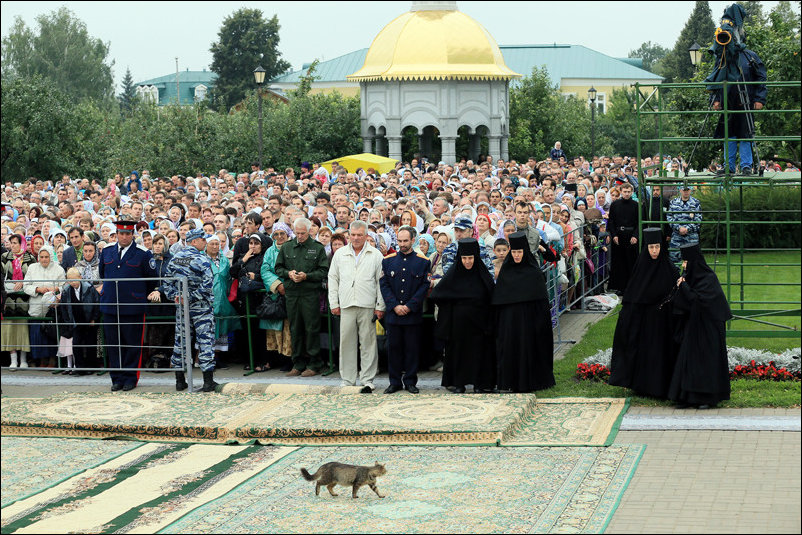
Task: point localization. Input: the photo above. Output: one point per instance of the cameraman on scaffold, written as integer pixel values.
(735, 63)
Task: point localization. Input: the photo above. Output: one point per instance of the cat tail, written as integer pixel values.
(308, 476)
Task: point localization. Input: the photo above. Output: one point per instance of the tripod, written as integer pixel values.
(702, 129)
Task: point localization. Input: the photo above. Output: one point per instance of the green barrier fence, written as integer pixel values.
(751, 300)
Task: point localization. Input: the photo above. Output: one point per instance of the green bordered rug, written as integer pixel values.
(183, 488)
(292, 418)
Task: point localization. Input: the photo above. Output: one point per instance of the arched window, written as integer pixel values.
(148, 93)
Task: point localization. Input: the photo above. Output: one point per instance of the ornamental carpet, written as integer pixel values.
(200, 488)
(318, 419)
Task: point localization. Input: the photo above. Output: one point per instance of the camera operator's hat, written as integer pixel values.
(125, 226)
(194, 234)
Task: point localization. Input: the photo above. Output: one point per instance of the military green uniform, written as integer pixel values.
(303, 298)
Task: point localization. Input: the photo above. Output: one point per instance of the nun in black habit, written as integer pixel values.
(524, 340)
(465, 321)
(644, 352)
(701, 376)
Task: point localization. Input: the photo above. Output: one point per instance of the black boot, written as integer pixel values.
(180, 382)
(208, 382)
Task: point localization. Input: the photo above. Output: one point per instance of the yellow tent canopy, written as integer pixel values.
(365, 160)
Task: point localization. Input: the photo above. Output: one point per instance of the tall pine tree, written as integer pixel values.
(676, 66)
(128, 95)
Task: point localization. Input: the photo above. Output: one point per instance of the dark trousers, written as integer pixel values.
(303, 311)
(124, 350)
(403, 353)
(84, 346)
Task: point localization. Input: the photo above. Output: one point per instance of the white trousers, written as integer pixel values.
(356, 323)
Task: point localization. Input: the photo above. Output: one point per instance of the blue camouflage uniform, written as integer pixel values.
(404, 281)
(196, 267)
(683, 214)
(450, 256)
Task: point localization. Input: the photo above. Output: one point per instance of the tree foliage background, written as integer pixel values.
(62, 52)
(51, 127)
(245, 40)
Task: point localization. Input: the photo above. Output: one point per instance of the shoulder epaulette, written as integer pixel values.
(421, 255)
(390, 255)
(141, 247)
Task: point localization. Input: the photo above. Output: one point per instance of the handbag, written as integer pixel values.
(247, 284)
(272, 310)
(589, 265)
(232, 292)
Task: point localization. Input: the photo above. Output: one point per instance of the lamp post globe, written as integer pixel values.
(695, 52)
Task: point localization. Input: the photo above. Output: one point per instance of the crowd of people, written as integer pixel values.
(377, 250)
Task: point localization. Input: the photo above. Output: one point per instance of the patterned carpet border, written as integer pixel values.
(431, 490)
(138, 491)
(74, 457)
(312, 419)
(570, 421)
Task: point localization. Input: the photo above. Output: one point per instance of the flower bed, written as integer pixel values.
(743, 363)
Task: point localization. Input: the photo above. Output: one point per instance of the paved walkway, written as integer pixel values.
(712, 482)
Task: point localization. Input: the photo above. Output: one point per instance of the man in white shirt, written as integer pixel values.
(355, 296)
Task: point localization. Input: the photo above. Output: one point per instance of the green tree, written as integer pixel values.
(540, 115)
(651, 53)
(676, 66)
(128, 96)
(46, 134)
(245, 40)
(619, 124)
(63, 52)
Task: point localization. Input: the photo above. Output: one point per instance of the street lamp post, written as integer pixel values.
(696, 54)
(592, 97)
(259, 77)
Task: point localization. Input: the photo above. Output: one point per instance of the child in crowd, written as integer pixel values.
(78, 312)
(500, 249)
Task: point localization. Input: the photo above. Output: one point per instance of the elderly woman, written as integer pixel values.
(485, 229)
(436, 260)
(278, 339)
(225, 320)
(248, 272)
(42, 282)
(37, 242)
(15, 332)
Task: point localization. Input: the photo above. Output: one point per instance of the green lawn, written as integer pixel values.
(745, 393)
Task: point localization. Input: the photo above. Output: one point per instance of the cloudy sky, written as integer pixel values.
(148, 36)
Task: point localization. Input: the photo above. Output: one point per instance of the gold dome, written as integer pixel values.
(433, 44)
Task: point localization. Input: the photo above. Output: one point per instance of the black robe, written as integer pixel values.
(524, 339)
(644, 352)
(701, 375)
(465, 322)
(621, 223)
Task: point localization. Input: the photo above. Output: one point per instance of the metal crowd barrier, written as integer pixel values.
(58, 319)
(563, 298)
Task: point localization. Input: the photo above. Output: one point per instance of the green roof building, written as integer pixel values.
(192, 86)
(573, 68)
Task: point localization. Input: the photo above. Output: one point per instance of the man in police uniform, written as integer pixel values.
(404, 283)
(193, 264)
(463, 228)
(123, 303)
(684, 215)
